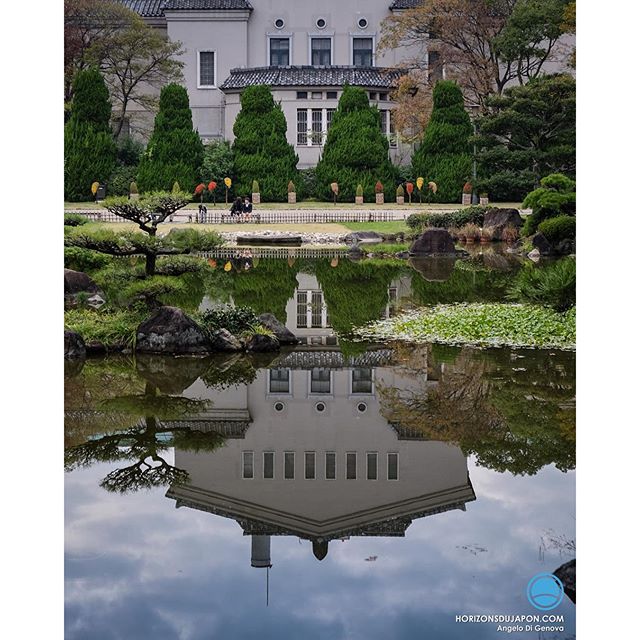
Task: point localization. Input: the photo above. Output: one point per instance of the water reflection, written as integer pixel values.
(365, 462)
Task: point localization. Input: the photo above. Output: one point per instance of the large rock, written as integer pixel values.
(567, 575)
(224, 341)
(170, 330)
(77, 282)
(281, 332)
(496, 220)
(74, 348)
(542, 244)
(364, 237)
(434, 268)
(433, 242)
(260, 343)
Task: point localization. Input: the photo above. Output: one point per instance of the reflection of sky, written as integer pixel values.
(136, 567)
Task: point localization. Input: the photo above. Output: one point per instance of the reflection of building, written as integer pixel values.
(308, 317)
(318, 461)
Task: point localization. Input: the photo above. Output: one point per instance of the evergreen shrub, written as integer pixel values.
(356, 151)
(444, 156)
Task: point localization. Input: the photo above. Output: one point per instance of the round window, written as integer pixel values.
(362, 407)
(320, 407)
(362, 23)
(321, 23)
(279, 23)
(279, 406)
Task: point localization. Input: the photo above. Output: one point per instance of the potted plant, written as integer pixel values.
(212, 190)
(359, 194)
(484, 199)
(409, 190)
(335, 189)
(291, 192)
(420, 184)
(400, 194)
(227, 186)
(379, 188)
(133, 191)
(467, 190)
(255, 192)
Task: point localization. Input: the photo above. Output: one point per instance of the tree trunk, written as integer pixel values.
(150, 266)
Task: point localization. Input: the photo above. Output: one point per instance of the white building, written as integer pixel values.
(305, 51)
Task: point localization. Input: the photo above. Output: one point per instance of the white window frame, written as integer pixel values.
(363, 34)
(366, 470)
(346, 466)
(325, 130)
(315, 394)
(397, 455)
(324, 36)
(284, 465)
(335, 465)
(215, 69)
(359, 394)
(315, 466)
(280, 35)
(391, 137)
(273, 454)
(279, 394)
(253, 466)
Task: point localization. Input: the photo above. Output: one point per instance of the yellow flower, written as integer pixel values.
(227, 182)
(420, 183)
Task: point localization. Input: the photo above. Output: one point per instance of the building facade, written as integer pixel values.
(304, 51)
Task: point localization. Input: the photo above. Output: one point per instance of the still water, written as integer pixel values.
(315, 493)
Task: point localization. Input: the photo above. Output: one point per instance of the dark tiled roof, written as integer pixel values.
(145, 8)
(405, 4)
(156, 8)
(185, 5)
(334, 76)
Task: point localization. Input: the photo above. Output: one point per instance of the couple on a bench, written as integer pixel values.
(241, 209)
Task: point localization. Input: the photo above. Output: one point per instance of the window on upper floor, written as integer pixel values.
(330, 465)
(278, 380)
(372, 466)
(363, 52)
(279, 52)
(392, 466)
(247, 464)
(320, 52)
(362, 380)
(332, 95)
(309, 465)
(268, 458)
(320, 380)
(351, 466)
(289, 465)
(206, 69)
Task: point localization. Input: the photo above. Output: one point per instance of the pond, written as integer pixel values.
(317, 492)
(337, 489)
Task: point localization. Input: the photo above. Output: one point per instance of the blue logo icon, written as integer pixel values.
(545, 591)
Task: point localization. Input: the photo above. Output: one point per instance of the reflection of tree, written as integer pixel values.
(356, 292)
(145, 443)
(515, 416)
(228, 371)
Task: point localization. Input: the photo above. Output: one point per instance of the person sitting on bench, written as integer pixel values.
(247, 208)
(236, 207)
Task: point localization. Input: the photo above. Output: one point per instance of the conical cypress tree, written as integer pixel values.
(356, 151)
(175, 151)
(444, 156)
(89, 147)
(260, 149)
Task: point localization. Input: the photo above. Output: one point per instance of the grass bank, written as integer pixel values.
(480, 325)
(112, 329)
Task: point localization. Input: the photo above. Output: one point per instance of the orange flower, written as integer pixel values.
(212, 185)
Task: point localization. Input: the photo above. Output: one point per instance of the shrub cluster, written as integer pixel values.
(554, 286)
(455, 219)
(556, 196)
(559, 228)
(236, 320)
(74, 220)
